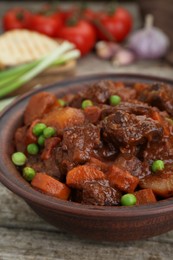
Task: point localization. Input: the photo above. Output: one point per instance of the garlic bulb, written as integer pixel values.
(149, 42)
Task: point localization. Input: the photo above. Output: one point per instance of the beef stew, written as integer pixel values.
(98, 153)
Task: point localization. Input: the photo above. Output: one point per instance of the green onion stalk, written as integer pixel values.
(14, 78)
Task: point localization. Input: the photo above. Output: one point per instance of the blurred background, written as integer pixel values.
(112, 36)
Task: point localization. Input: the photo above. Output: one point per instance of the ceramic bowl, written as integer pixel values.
(89, 222)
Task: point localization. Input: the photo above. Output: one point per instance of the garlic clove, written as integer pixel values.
(123, 57)
(106, 50)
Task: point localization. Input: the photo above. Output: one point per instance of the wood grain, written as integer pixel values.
(26, 236)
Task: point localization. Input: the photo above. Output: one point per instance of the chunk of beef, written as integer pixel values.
(100, 193)
(77, 146)
(24, 136)
(49, 146)
(64, 118)
(106, 151)
(158, 95)
(49, 166)
(135, 107)
(162, 150)
(133, 165)
(80, 141)
(128, 130)
(100, 91)
(38, 105)
(100, 165)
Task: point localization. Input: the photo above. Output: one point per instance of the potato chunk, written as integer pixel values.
(63, 118)
(38, 105)
(161, 184)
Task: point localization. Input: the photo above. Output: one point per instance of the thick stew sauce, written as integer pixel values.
(108, 145)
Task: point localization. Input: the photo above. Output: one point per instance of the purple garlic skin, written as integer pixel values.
(106, 50)
(123, 57)
(149, 43)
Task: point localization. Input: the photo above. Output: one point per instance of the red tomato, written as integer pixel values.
(67, 14)
(16, 18)
(114, 27)
(81, 34)
(88, 14)
(123, 15)
(46, 24)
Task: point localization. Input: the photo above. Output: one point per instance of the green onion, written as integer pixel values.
(16, 77)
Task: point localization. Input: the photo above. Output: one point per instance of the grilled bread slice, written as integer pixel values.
(22, 46)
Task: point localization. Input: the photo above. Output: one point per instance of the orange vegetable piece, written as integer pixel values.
(77, 177)
(157, 117)
(49, 145)
(63, 118)
(92, 114)
(161, 184)
(50, 186)
(122, 179)
(145, 196)
(38, 105)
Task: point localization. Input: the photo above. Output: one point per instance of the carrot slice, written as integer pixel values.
(92, 114)
(122, 179)
(50, 186)
(145, 196)
(77, 177)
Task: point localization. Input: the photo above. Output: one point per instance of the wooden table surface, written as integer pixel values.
(25, 236)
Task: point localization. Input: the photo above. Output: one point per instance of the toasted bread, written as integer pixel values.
(22, 46)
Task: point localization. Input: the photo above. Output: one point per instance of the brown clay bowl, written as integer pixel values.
(89, 222)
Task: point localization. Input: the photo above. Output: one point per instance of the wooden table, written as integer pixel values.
(25, 236)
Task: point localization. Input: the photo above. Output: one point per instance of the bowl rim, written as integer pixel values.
(32, 196)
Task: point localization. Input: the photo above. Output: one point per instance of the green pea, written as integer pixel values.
(61, 102)
(18, 158)
(41, 140)
(28, 173)
(49, 132)
(157, 165)
(128, 200)
(38, 129)
(87, 103)
(32, 149)
(115, 100)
